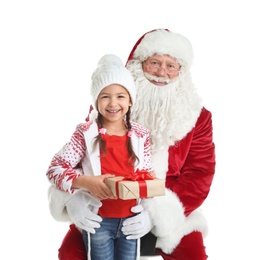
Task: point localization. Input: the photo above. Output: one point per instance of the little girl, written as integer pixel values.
(108, 145)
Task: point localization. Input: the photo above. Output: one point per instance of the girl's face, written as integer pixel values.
(113, 103)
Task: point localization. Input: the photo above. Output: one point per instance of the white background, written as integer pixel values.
(48, 50)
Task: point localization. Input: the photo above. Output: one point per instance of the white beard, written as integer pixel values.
(169, 112)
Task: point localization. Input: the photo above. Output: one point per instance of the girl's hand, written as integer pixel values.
(95, 185)
(152, 174)
(98, 188)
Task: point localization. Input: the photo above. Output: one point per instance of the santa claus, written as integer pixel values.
(183, 154)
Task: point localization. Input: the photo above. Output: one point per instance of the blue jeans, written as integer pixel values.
(109, 243)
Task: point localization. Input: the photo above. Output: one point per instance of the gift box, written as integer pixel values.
(139, 185)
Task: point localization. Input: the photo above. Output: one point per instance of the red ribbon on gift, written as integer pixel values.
(140, 176)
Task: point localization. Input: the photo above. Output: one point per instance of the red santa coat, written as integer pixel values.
(188, 165)
(192, 164)
(191, 167)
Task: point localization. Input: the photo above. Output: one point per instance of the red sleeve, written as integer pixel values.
(192, 164)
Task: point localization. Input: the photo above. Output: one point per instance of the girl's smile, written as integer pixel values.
(113, 103)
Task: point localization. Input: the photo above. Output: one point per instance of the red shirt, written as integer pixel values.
(116, 162)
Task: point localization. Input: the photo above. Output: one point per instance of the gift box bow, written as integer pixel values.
(139, 176)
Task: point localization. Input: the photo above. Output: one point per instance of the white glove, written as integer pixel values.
(82, 209)
(139, 225)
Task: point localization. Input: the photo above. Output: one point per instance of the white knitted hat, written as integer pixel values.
(110, 71)
(162, 41)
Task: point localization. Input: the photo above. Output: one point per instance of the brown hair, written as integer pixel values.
(98, 140)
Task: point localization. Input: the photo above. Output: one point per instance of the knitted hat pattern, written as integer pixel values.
(110, 71)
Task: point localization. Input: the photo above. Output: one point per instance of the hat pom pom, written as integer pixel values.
(93, 114)
(110, 59)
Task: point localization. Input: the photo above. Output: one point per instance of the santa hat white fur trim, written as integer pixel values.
(165, 42)
(110, 71)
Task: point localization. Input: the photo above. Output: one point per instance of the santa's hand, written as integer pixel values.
(139, 225)
(82, 209)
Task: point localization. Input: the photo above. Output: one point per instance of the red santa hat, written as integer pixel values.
(163, 42)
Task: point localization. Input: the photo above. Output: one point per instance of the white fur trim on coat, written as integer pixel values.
(169, 221)
(57, 200)
(160, 163)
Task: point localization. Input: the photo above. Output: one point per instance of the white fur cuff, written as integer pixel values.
(169, 221)
(57, 200)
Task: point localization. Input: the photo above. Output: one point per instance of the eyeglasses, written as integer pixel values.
(154, 65)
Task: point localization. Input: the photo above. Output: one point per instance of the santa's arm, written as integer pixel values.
(188, 181)
(169, 223)
(192, 164)
(57, 203)
(58, 199)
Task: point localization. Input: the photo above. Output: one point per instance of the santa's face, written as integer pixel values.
(166, 110)
(155, 106)
(161, 69)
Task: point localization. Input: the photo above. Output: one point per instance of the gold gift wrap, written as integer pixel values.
(129, 189)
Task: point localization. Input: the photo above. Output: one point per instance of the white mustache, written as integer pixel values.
(159, 79)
